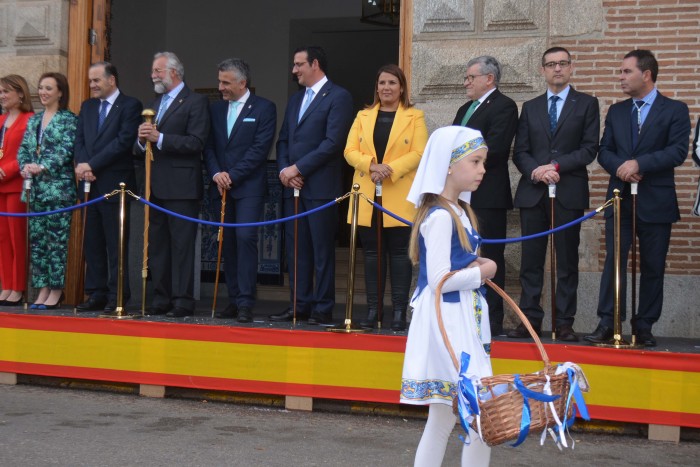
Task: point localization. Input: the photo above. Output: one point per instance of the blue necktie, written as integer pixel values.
(636, 121)
(231, 118)
(103, 114)
(163, 107)
(553, 113)
(307, 101)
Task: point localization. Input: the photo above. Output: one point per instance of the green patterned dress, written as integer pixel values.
(53, 189)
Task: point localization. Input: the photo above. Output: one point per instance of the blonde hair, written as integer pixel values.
(430, 200)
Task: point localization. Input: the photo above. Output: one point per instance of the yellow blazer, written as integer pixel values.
(404, 149)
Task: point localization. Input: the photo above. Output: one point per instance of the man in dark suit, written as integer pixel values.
(496, 116)
(644, 139)
(106, 127)
(310, 158)
(242, 129)
(177, 136)
(557, 138)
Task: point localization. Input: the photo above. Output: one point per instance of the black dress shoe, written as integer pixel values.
(645, 338)
(158, 310)
(287, 315)
(318, 318)
(245, 315)
(230, 312)
(92, 304)
(179, 312)
(521, 332)
(111, 306)
(601, 335)
(565, 333)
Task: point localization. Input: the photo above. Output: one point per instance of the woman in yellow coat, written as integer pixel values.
(384, 146)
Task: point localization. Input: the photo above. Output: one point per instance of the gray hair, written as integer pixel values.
(174, 63)
(488, 65)
(239, 67)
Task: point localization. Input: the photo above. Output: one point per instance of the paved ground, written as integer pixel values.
(42, 426)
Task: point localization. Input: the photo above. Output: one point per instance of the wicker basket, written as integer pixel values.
(501, 414)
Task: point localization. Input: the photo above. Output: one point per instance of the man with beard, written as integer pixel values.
(177, 136)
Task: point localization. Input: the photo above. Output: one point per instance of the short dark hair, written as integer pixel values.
(110, 70)
(645, 61)
(62, 83)
(239, 67)
(553, 50)
(19, 85)
(398, 72)
(314, 52)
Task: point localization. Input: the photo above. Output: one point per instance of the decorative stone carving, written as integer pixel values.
(443, 16)
(32, 24)
(514, 15)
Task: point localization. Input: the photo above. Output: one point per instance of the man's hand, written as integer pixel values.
(629, 172)
(223, 182)
(148, 132)
(546, 174)
(84, 172)
(291, 177)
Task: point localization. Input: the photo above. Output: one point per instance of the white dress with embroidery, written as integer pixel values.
(429, 375)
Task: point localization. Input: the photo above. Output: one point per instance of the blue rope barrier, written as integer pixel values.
(246, 224)
(57, 211)
(501, 240)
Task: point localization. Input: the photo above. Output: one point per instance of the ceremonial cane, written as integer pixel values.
(81, 262)
(380, 225)
(27, 257)
(218, 254)
(633, 314)
(296, 251)
(552, 259)
(148, 115)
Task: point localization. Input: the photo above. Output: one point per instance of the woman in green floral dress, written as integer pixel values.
(46, 155)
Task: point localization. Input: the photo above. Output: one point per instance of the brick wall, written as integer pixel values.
(670, 29)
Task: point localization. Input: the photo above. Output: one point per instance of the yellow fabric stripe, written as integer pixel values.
(634, 388)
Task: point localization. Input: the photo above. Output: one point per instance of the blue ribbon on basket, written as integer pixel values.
(467, 404)
(575, 392)
(525, 419)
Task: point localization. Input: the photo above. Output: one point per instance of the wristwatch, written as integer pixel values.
(555, 164)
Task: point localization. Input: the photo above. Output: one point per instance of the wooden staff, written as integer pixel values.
(27, 256)
(218, 254)
(380, 224)
(148, 115)
(553, 260)
(81, 235)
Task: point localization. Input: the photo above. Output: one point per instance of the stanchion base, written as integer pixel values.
(347, 328)
(618, 344)
(117, 315)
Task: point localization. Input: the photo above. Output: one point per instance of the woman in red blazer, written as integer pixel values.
(17, 108)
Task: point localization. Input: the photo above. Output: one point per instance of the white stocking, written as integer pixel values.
(431, 448)
(477, 454)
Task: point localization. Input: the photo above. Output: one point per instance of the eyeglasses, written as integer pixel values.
(471, 78)
(299, 64)
(158, 71)
(561, 63)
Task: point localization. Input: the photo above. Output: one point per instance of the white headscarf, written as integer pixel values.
(445, 146)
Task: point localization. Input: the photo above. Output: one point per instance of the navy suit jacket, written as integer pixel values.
(696, 158)
(316, 143)
(108, 151)
(661, 146)
(573, 145)
(176, 170)
(496, 119)
(242, 155)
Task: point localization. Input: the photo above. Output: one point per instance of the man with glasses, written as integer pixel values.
(177, 136)
(495, 115)
(557, 138)
(644, 139)
(310, 158)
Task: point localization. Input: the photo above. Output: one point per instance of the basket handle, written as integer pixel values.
(510, 301)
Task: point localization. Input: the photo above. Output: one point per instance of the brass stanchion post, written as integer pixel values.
(348, 326)
(633, 314)
(119, 313)
(618, 342)
(148, 115)
(27, 186)
(553, 260)
(218, 254)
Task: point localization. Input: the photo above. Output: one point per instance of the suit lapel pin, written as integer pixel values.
(324, 94)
